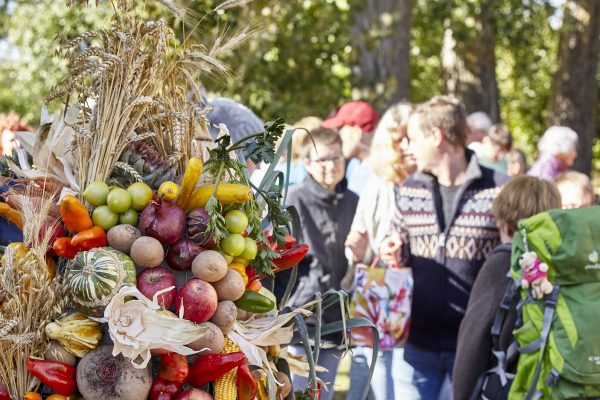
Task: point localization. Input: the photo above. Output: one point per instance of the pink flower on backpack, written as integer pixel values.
(535, 275)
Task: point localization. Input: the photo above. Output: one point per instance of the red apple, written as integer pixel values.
(199, 301)
(193, 394)
(152, 280)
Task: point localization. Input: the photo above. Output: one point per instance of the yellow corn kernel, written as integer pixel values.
(225, 388)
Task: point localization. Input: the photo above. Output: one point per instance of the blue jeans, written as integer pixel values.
(431, 369)
(392, 377)
(329, 359)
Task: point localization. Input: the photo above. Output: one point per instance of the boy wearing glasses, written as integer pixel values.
(326, 208)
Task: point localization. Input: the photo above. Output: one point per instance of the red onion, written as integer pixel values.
(163, 221)
(197, 228)
(181, 254)
(58, 230)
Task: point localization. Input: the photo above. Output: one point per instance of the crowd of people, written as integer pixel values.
(428, 190)
(412, 214)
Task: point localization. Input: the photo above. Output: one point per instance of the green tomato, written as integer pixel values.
(227, 257)
(250, 250)
(141, 194)
(104, 217)
(129, 217)
(236, 221)
(96, 193)
(118, 200)
(233, 245)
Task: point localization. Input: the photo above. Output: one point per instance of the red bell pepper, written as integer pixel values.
(3, 393)
(290, 257)
(288, 241)
(210, 367)
(63, 248)
(247, 388)
(162, 389)
(174, 368)
(56, 375)
(89, 239)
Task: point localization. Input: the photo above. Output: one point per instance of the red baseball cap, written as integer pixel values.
(354, 113)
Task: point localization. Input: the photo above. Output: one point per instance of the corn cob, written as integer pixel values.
(225, 388)
(190, 177)
(227, 193)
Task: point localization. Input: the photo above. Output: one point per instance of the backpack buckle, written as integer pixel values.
(552, 378)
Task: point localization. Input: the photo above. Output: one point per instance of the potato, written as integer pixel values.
(213, 340)
(284, 390)
(210, 266)
(243, 315)
(121, 237)
(225, 315)
(231, 287)
(147, 252)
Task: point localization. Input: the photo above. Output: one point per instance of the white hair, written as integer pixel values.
(557, 140)
(479, 121)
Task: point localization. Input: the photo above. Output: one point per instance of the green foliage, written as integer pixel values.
(297, 65)
(299, 62)
(526, 58)
(26, 77)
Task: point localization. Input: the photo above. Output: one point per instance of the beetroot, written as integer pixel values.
(182, 253)
(162, 220)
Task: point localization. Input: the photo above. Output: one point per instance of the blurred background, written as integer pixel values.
(527, 63)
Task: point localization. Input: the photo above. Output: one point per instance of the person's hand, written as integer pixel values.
(357, 242)
(390, 249)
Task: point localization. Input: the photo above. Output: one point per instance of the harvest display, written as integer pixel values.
(147, 255)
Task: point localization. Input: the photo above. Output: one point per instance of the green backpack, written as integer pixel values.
(558, 336)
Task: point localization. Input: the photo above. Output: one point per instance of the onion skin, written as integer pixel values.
(182, 253)
(197, 228)
(163, 221)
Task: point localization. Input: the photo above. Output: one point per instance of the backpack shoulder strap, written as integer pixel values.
(509, 301)
(549, 308)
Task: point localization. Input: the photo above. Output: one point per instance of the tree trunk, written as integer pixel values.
(574, 95)
(381, 38)
(469, 61)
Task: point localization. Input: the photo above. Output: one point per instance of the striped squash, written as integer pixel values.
(95, 276)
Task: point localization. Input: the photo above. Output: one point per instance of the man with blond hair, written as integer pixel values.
(444, 230)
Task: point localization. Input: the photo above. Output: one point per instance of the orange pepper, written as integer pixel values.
(57, 397)
(254, 286)
(89, 239)
(32, 396)
(75, 215)
(11, 214)
(240, 269)
(63, 248)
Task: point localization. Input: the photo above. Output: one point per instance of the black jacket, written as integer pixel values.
(326, 218)
(445, 260)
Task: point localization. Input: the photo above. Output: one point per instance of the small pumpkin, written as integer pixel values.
(95, 276)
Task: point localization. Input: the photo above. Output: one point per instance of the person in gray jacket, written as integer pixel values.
(326, 208)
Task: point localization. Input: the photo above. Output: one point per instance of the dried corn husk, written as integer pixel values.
(138, 325)
(76, 333)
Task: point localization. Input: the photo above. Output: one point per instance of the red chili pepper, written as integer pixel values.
(63, 248)
(290, 257)
(174, 368)
(247, 388)
(57, 376)
(89, 239)
(210, 367)
(163, 389)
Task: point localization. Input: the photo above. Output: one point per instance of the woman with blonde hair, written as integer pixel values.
(393, 376)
